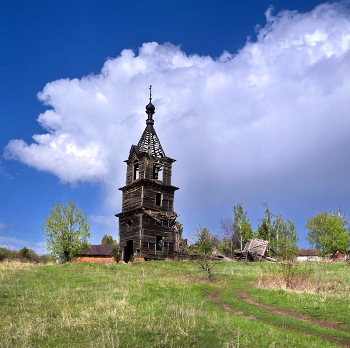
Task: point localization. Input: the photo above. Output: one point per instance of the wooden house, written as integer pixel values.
(96, 253)
(308, 255)
(338, 256)
(147, 221)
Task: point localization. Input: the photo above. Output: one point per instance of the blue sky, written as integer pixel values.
(253, 105)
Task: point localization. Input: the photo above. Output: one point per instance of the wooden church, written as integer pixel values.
(147, 221)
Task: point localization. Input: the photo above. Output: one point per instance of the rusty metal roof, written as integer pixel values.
(307, 252)
(98, 250)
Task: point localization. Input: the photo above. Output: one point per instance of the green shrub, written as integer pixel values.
(115, 253)
(4, 253)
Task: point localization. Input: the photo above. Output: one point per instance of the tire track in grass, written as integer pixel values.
(249, 299)
(326, 324)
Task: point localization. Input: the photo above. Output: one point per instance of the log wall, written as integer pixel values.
(147, 217)
(95, 259)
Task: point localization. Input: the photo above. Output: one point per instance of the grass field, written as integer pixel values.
(169, 304)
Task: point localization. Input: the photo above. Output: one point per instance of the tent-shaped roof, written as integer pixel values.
(149, 141)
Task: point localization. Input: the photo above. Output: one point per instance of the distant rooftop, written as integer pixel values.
(307, 252)
(98, 250)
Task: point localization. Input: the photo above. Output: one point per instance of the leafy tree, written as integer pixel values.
(328, 232)
(266, 230)
(25, 254)
(224, 247)
(108, 240)
(178, 226)
(115, 253)
(241, 225)
(287, 239)
(204, 250)
(4, 253)
(281, 235)
(66, 230)
(204, 241)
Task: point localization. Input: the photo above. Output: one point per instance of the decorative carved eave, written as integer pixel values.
(139, 155)
(150, 183)
(129, 213)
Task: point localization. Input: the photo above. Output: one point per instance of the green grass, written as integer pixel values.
(330, 302)
(157, 304)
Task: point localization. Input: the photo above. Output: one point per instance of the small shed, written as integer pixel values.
(97, 253)
(308, 255)
(338, 256)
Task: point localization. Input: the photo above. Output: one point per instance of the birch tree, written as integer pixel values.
(66, 230)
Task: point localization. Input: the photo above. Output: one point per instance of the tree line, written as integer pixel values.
(328, 232)
(67, 232)
(24, 255)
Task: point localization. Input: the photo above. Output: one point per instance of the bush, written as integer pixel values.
(297, 277)
(24, 255)
(4, 253)
(115, 253)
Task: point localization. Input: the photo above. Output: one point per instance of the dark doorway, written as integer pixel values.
(128, 250)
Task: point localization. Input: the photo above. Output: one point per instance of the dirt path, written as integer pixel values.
(326, 324)
(214, 298)
(249, 299)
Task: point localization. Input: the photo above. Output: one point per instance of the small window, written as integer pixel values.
(129, 222)
(159, 199)
(157, 171)
(159, 244)
(136, 171)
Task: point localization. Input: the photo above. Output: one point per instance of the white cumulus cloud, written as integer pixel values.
(271, 119)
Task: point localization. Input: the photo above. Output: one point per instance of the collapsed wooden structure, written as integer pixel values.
(255, 250)
(147, 221)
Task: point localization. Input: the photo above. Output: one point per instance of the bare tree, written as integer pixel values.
(226, 228)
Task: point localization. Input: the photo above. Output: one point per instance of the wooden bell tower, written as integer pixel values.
(147, 221)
